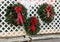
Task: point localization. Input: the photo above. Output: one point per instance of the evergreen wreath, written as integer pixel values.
(16, 14)
(32, 25)
(46, 12)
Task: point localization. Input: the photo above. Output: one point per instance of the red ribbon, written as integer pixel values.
(48, 9)
(33, 23)
(18, 10)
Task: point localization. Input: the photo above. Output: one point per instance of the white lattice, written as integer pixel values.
(8, 30)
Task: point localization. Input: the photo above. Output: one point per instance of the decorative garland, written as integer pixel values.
(46, 12)
(32, 25)
(16, 14)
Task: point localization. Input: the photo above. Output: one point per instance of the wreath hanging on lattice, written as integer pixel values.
(32, 25)
(46, 12)
(16, 14)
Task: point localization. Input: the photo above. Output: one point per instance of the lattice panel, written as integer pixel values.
(8, 30)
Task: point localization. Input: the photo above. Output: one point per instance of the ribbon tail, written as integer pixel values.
(20, 18)
(18, 21)
(32, 28)
(48, 14)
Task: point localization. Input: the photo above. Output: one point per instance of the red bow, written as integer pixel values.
(18, 10)
(48, 9)
(33, 23)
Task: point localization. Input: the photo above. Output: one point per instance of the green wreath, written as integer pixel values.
(16, 14)
(46, 12)
(32, 26)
